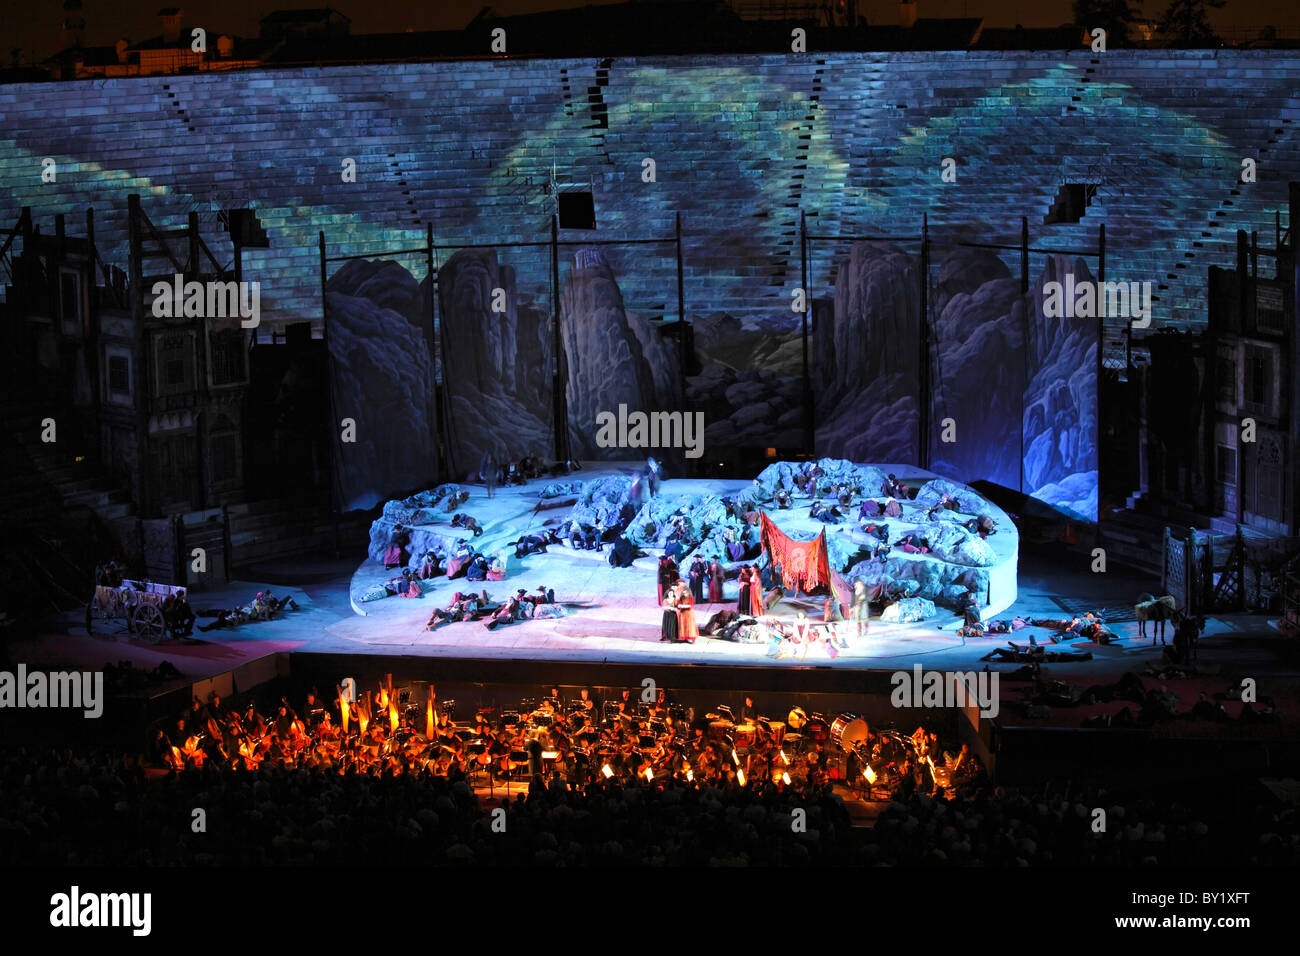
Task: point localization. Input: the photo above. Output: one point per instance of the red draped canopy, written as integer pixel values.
(803, 564)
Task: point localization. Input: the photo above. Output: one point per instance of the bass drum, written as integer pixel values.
(849, 730)
(818, 728)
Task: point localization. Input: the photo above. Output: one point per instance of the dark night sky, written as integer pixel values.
(34, 24)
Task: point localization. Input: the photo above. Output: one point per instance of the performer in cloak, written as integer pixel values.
(622, 554)
(396, 554)
(742, 601)
(667, 575)
(698, 570)
(735, 549)
(654, 474)
(685, 604)
(715, 581)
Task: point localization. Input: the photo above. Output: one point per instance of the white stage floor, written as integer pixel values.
(619, 620)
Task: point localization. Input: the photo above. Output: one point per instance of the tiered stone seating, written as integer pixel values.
(741, 145)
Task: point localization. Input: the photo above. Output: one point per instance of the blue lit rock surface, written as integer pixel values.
(383, 381)
(908, 611)
(496, 363)
(613, 357)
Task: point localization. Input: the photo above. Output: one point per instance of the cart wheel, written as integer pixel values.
(148, 623)
(89, 608)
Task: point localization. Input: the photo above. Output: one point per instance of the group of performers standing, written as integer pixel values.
(679, 599)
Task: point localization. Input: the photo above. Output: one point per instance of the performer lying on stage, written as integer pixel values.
(460, 520)
(535, 543)
(463, 607)
(831, 515)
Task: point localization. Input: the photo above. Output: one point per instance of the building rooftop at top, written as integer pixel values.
(323, 35)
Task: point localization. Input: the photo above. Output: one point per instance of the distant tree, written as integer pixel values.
(1187, 22)
(1116, 17)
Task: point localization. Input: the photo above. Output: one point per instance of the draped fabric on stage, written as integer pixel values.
(803, 564)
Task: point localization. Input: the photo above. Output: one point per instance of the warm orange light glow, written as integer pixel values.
(607, 771)
(785, 778)
(649, 774)
(869, 774)
(740, 776)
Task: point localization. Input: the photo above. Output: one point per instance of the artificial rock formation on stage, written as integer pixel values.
(614, 357)
(867, 372)
(866, 361)
(497, 364)
(1061, 440)
(748, 384)
(383, 380)
(959, 560)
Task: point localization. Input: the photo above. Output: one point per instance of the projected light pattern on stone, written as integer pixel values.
(741, 146)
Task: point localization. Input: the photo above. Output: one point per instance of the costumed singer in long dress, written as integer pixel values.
(686, 629)
(715, 581)
(756, 605)
(668, 628)
(742, 599)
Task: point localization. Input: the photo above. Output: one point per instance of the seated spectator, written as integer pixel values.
(496, 569)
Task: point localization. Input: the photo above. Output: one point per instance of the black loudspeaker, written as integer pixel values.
(577, 210)
(246, 229)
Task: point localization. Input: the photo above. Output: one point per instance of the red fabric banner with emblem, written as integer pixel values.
(803, 564)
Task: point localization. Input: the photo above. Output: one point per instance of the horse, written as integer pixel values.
(1154, 609)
